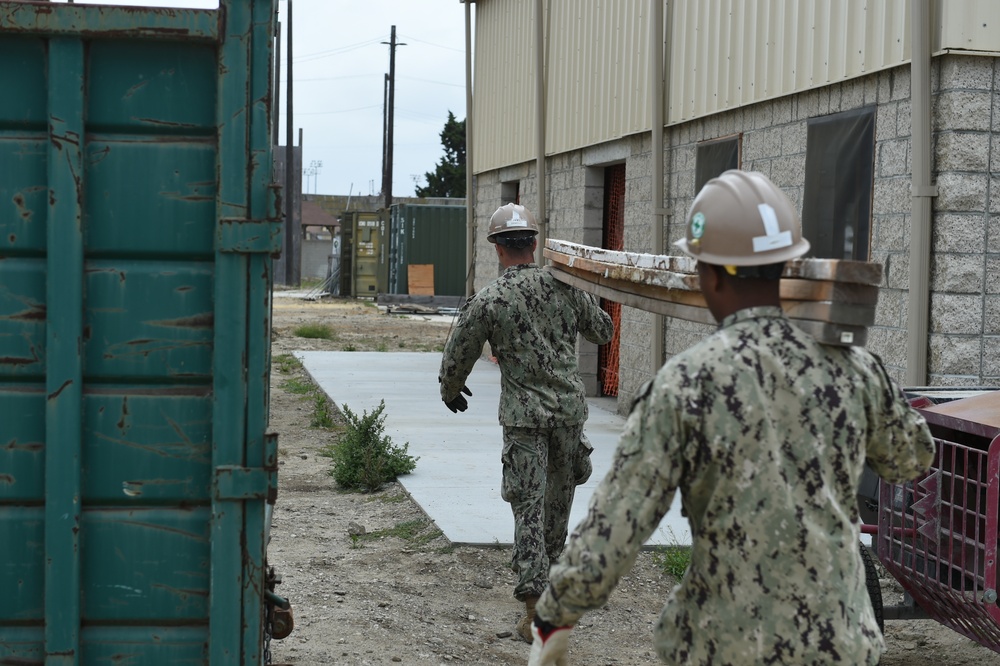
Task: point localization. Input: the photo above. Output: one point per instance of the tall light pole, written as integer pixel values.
(313, 170)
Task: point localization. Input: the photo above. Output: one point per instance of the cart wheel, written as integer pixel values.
(871, 582)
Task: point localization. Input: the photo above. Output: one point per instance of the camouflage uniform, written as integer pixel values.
(531, 321)
(765, 433)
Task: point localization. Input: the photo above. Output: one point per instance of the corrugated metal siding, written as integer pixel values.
(722, 54)
(597, 78)
(598, 72)
(504, 106)
(967, 25)
(728, 53)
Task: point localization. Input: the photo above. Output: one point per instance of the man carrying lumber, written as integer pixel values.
(765, 432)
(531, 322)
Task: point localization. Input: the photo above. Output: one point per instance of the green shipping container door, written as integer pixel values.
(429, 234)
(136, 227)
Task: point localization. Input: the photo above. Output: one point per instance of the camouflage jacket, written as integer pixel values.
(531, 321)
(765, 432)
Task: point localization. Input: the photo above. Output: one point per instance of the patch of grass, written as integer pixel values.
(414, 532)
(322, 416)
(316, 331)
(382, 346)
(298, 386)
(673, 558)
(364, 457)
(286, 363)
(350, 347)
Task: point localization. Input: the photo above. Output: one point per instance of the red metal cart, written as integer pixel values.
(937, 535)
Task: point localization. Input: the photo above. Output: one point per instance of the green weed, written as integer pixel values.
(298, 386)
(286, 363)
(317, 331)
(673, 559)
(322, 417)
(364, 458)
(414, 532)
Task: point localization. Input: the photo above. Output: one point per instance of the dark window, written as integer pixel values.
(837, 202)
(715, 157)
(510, 192)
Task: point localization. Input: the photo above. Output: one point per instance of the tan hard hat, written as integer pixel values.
(741, 218)
(510, 218)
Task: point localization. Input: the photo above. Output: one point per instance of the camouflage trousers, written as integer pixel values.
(539, 483)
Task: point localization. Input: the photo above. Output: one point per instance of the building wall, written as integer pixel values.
(964, 344)
(316, 258)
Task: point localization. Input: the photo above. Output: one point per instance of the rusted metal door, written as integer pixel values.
(136, 228)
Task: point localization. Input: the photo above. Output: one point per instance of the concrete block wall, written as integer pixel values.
(965, 295)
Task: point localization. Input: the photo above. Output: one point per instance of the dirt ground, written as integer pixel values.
(373, 581)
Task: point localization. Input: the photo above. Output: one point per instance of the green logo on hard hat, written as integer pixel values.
(697, 225)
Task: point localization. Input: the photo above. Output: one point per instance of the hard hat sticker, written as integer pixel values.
(774, 237)
(516, 220)
(697, 225)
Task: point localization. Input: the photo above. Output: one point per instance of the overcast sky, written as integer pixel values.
(339, 70)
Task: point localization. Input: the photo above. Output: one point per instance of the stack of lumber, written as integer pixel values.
(831, 299)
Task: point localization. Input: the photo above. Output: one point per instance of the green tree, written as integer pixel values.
(448, 178)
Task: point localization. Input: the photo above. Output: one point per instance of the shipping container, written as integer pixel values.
(137, 224)
(428, 236)
(364, 254)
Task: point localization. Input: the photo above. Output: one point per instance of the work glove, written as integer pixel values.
(550, 644)
(459, 403)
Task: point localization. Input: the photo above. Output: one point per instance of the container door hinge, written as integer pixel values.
(248, 236)
(233, 482)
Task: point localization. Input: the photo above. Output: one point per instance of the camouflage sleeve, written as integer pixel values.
(900, 446)
(625, 509)
(595, 324)
(463, 349)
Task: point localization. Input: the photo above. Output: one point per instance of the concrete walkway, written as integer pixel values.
(457, 479)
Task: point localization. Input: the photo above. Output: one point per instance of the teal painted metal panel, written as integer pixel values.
(429, 234)
(23, 581)
(169, 212)
(24, 68)
(22, 316)
(22, 474)
(156, 87)
(137, 223)
(23, 192)
(64, 369)
(149, 319)
(154, 448)
(171, 586)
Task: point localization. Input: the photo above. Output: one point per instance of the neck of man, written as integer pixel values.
(515, 257)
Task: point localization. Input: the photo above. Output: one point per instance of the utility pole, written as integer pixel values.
(277, 84)
(292, 233)
(387, 170)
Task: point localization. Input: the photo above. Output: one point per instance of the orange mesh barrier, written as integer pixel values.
(614, 239)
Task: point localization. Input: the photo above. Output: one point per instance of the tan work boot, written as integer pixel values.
(524, 626)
